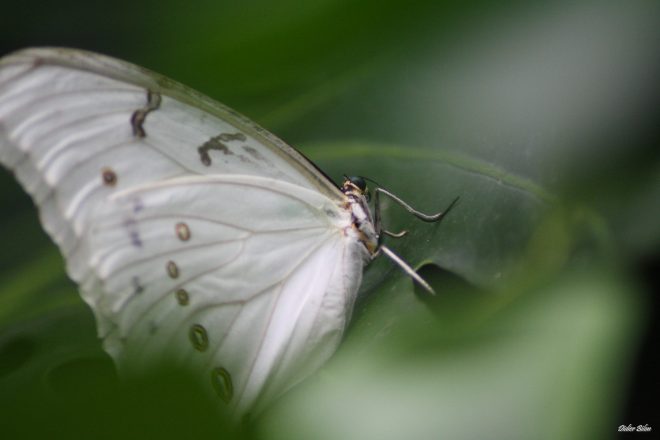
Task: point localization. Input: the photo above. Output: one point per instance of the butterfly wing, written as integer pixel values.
(191, 231)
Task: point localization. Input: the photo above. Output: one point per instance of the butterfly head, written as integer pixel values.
(355, 185)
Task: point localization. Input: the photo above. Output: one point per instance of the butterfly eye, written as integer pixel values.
(359, 182)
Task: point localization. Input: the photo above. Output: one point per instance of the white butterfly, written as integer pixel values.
(191, 231)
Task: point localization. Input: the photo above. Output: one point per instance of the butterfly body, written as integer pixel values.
(357, 204)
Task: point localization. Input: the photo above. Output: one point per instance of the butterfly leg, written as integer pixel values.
(378, 227)
(382, 232)
(406, 268)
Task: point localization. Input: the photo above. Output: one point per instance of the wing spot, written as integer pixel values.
(198, 337)
(216, 143)
(211, 144)
(228, 137)
(132, 228)
(222, 384)
(109, 177)
(172, 269)
(182, 297)
(137, 205)
(140, 115)
(135, 239)
(182, 231)
(254, 153)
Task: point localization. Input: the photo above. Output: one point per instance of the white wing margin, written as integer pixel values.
(191, 231)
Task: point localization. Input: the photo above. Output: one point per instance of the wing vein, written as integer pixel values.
(191, 316)
(177, 216)
(41, 100)
(207, 181)
(159, 255)
(282, 283)
(15, 77)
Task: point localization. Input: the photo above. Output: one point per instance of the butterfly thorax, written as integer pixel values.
(361, 221)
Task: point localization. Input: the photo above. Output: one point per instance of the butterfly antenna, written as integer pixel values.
(378, 185)
(407, 269)
(416, 213)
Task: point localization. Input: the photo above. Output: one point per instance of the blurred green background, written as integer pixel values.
(542, 118)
